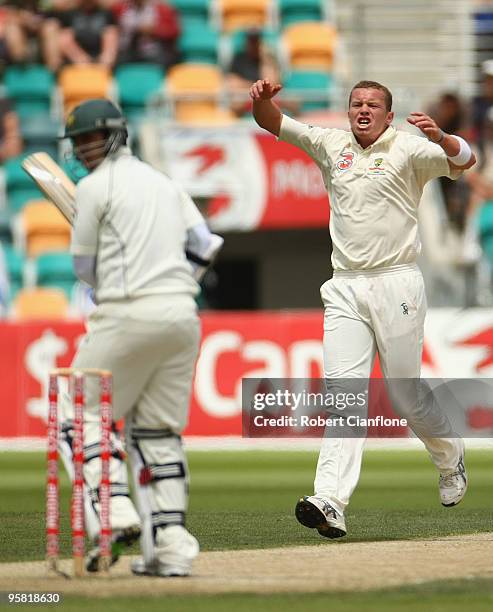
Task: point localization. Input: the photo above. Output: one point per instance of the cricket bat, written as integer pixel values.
(53, 182)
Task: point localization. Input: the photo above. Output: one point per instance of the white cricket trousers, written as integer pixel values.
(367, 311)
(151, 346)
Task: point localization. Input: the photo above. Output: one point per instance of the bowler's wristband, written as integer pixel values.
(464, 154)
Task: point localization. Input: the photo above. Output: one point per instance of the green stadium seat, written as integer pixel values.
(17, 199)
(192, 11)
(292, 11)
(238, 40)
(5, 226)
(56, 270)
(311, 86)
(199, 43)
(20, 187)
(30, 87)
(40, 133)
(137, 84)
(15, 267)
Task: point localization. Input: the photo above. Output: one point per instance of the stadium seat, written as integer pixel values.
(312, 87)
(243, 14)
(40, 303)
(20, 187)
(15, 268)
(294, 11)
(40, 133)
(5, 227)
(55, 269)
(199, 43)
(192, 12)
(30, 87)
(309, 45)
(44, 228)
(238, 39)
(137, 85)
(194, 90)
(79, 82)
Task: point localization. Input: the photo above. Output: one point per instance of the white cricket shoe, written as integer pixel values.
(316, 513)
(175, 549)
(453, 485)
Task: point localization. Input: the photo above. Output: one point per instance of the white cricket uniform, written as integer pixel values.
(145, 329)
(376, 299)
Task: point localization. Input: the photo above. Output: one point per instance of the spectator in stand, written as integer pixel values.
(31, 33)
(450, 113)
(4, 52)
(89, 34)
(482, 103)
(149, 31)
(254, 62)
(10, 135)
(10, 141)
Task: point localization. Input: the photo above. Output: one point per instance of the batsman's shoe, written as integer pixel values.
(318, 514)
(176, 550)
(453, 485)
(121, 539)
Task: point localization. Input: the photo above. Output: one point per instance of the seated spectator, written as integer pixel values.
(89, 34)
(32, 33)
(4, 53)
(10, 135)
(450, 114)
(248, 65)
(149, 31)
(483, 102)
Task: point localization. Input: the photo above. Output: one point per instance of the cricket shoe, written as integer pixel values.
(453, 485)
(318, 514)
(176, 548)
(120, 540)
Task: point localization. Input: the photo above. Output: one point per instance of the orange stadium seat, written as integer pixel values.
(38, 303)
(80, 82)
(243, 14)
(310, 45)
(194, 90)
(44, 228)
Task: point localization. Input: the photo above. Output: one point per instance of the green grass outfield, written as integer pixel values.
(245, 499)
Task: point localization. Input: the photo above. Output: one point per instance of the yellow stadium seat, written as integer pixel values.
(44, 228)
(243, 14)
(40, 303)
(194, 90)
(205, 116)
(310, 45)
(79, 82)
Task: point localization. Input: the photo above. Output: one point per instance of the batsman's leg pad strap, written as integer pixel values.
(117, 489)
(165, 518)
(161, 472)
(139, 433)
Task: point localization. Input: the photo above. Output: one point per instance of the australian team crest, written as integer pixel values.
(345, 161)
(377, 167)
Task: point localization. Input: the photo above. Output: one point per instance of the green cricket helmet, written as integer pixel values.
(94, 115)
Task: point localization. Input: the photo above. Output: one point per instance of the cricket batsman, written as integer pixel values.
(140, 243)
(375, 176)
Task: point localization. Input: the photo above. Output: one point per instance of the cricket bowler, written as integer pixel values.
(374, 175)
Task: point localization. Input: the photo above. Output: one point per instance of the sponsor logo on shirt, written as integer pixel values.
(376, 167)
(345, 161)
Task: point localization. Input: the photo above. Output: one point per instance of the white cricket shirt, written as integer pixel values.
(134, 220)
(374, 193)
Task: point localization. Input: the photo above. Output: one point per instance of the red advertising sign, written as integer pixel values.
(258, 345)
